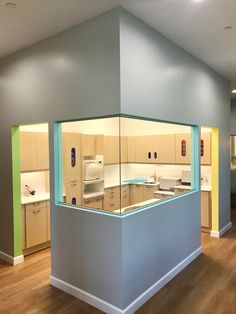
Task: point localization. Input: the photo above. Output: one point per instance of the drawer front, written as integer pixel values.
(125, 189)
(36, 205)
(48, 203)
(36, 226)
(125, 200)
(96, 203)
(148, 192)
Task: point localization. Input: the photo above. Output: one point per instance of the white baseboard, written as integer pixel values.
(111, 309)
(218, 234)
(10, 259)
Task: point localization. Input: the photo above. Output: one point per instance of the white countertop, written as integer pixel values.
(113, 184)
(204, 188)
(135, 206)
(38, 197)
(164, 192)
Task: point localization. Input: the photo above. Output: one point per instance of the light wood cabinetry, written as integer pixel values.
(111, 150)
(125, 198)
(148, 192)
(124, 149)
(140, 149)
(183, 150)
(205, 148)
(136, 193)
(94, 203)
(165, 148)
(34, 151)
(72, 167)
(131, 148)
(35, 223)
(112, 198)
(88, 144)
(206, 209)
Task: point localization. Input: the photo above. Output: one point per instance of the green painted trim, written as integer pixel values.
(195, 158)
(17, 219)
(58, 162)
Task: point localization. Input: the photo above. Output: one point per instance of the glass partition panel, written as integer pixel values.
(120, 164)
(233, 151)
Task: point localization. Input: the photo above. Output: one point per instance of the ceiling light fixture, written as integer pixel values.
(234, 91)
(227, 28)
(10, 5)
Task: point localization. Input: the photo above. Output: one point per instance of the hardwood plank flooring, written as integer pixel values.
(207, 286)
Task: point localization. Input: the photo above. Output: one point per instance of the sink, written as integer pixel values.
(150, 182)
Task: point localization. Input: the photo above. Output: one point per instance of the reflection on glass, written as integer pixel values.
(120, 164)
(233, 151)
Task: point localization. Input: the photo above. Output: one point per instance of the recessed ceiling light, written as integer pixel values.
(228, 28)
(10, 5)
(234, 91)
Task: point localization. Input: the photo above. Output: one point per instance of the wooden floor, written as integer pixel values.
(207, 286)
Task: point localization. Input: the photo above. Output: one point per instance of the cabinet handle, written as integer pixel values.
(36, 211)
(155, 155)
(149, 155)
(36, 204)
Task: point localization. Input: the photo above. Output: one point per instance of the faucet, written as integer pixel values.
(154, 176)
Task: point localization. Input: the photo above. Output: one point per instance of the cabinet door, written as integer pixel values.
(28, 151)
(112, 198)
(100, 144)
(111, 149)
(124, 149)
(72, 167)
(206, 209)
(165, 149)
(88, 144)
(131, 148)
(136, 194)
(148, 192)
(182, 149)
(140, 149)
(36, 226)
(205, 148)
(96, 203)
(23, 226)
(125, 196)
(42, 151)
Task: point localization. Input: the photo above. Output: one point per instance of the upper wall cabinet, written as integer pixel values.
(34, 151)
(183, 149)
(111, 150)
(88, 144)
(205, 148)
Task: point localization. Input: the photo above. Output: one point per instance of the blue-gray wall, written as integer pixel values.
(160, 80)
(113, 63)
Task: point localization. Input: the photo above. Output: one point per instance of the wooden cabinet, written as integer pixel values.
(124, 149)
(205, 148)
(206, 209)
(148, 192)
(93, 203)
(111, 150)
(35, 223)
(125, 198)
(140, 149)
(72, 174)
(136, 193)
(131, 148)
(112, 198)
(88, 145)
(182, 149)
(34, 151)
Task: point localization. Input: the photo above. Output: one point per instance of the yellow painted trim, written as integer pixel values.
(215, 179)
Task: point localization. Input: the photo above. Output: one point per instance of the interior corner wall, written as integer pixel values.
(160, 80)
(233, 117)
(56, 79)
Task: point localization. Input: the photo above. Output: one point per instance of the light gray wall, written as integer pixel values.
(159, 80)
(233, 117)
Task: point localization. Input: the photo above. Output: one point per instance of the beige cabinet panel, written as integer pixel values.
(23, 226)
(182, 149)
(148, 192)
(28, 160)
(165, 148)
(100, 144)
(112, 198)
(136, 193)
(151, 148)
(94, 203)
(205, 148)
(42, 151)
(36, 226)
(88, 144)
(125, 197)
(72, 172)
(124, 149)
(131, 148)
(206, 209)
(111, 150)
(140, 149)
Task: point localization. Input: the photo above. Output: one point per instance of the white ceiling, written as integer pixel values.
(195, 25)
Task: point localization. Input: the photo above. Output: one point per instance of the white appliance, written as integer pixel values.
(186, 177)
(93, 168)
(168, 183)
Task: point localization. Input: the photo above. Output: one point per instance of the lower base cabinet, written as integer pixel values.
(206, 209)
(35, 224)
(94, 203)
